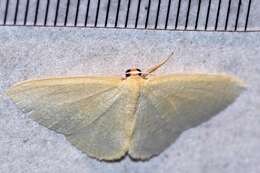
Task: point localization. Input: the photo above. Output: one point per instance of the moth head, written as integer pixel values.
(138, 72)
(133, 72)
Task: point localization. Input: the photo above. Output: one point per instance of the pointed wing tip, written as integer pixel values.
(10, 92)
(13, 93)
(242, 86)
(14, 89)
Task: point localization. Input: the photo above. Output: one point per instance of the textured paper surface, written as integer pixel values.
(227, 143)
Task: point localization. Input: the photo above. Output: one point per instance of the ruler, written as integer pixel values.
(184, 15)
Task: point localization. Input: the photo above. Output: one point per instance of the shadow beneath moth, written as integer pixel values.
(138, 115)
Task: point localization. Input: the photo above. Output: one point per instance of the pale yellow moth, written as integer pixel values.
(138, 115)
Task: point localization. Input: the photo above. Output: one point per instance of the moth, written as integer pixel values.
(139, 114)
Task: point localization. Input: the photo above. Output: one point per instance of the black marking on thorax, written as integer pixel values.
(133, 72)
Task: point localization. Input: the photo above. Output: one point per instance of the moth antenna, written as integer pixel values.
(155, 67)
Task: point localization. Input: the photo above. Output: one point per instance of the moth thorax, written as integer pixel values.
(133, 72)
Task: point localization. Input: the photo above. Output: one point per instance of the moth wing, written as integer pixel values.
(87, 110)
(169, 105)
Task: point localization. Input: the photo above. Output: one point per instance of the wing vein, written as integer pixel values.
(99, 116)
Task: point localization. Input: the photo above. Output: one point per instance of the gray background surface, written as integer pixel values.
(222, 14)
(229, 142)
